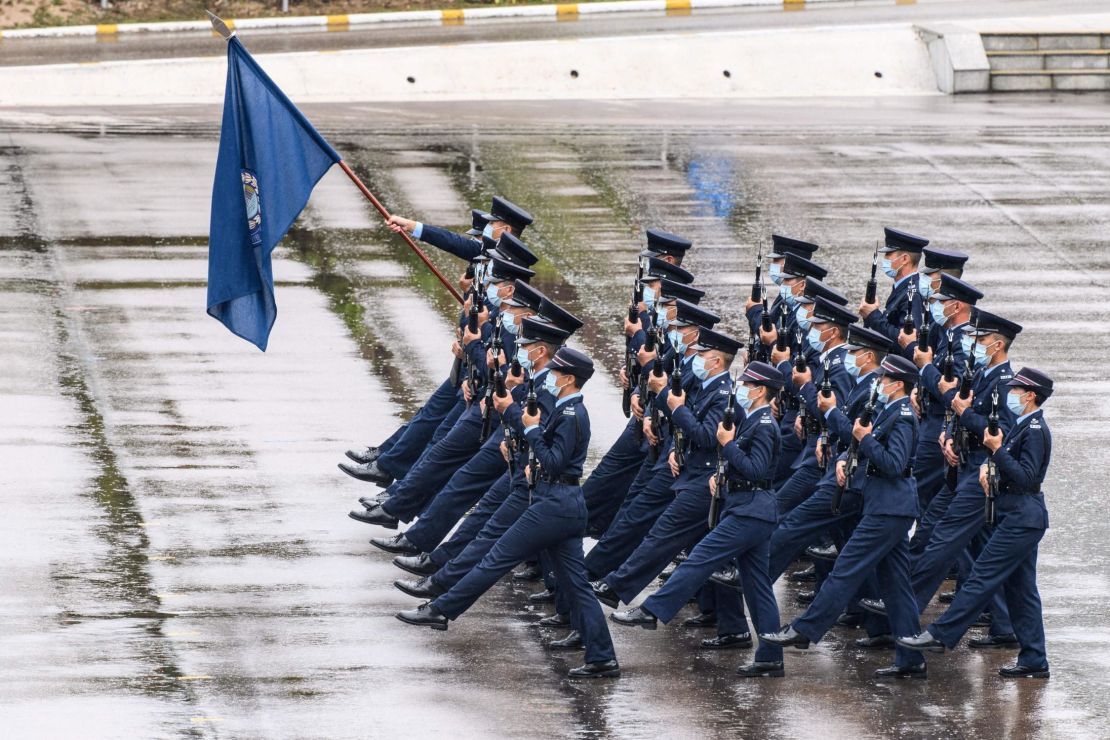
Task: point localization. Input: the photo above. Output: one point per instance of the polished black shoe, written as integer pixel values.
(425, 615)
(542, 597)
(875, 606)
(667, 572)
(605, 594)
(878, 642)
(573, 641)
(397, 544)
(729, 577)
(376, 515)
(705, 619)
(925, 642)
(849, 619)
(788, 637)
(555, 620)
(600, 669)
(809, 575)
(1021, 671)
(984, 620)
(728, 642)
(369, 502)
(994, 641)
(423, 588)
(637, 616)
(528, 573)
(418, 565)
(908, 671)
(827, 552)
(946, 597)
(766, 669)
(364, 457)
(805, 597)
(369, 473)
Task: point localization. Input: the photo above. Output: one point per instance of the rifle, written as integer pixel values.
(766, 325)
(679, 437)
(656, 413)
(649, 346)
(801, 366)
(992, 466)
(823, 439)
(757, 286)
(630, 367)
(510, 434)
(923, 345)
(495, 382)
(721, 475)
(853, 448)
(780, 342)
(907, 320)
(472, 327)
(962, 436)
(533, 464)
(873, 285)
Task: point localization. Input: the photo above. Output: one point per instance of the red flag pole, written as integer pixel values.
(408, 240)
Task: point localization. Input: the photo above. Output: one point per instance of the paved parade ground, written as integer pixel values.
(175, 554)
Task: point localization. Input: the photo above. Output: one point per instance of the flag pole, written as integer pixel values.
(221, 28)
(408, 239)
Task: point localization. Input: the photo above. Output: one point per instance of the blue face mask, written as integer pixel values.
(661, 316)
(888, 268)
(965, 344)
(924, 286)
(1013, 402)
(649, 296)
(851, 365)
(814, 338)
(883, 397)
(787, 294)
(743, 399)
(775, 271)
(698, 366)
(510, 324)
(492, 297)
(676, 341)
(487, 231)
(522, 358)
(803, 320)
(936, 309)
(549, 384)
(979, 357)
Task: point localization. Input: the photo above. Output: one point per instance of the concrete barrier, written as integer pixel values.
(453, 16)
(888, 59)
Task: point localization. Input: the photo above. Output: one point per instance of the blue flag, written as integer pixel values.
(270, 159)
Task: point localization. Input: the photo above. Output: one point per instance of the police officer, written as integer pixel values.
(901, 254)
(747, 457)
(879, 543)
(503, 216)
(934, 263)
(1008, 562)
(555, 519)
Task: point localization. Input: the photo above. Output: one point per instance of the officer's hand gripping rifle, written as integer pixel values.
(992, 466)
(801, 366)
(852, 463)
(823, 440)
(907, 320)
(679, 437)
(721, 476)
(472, 327)
(923, 345)
(631, 369)
(495, 382)
(533, 464)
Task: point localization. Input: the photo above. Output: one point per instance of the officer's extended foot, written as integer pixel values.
(808, 575)
(369, 502)
(605, 594)
(637, 616)
(1021, 671)
(600, 669)
(764, 669)
(902, 671)
(397, 544)
(364, 457)
(425, 615)
(376, 515)
(528, 573)
(878, 642)
(418, 565)
(804, 598)
(946, 597)
(370, 473)
(542, 597)
(827, 553)
(572, 641)
(924, 642)
(728, 642)
(556, 620)
(788, 637)
(848, 619)
(875, 606)
(994, 641)
(424, 588)
(705, 619)
(729, 577)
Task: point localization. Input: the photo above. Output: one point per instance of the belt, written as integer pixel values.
(1011, 491)
(566, 480)
(907, 473)
(743, 486)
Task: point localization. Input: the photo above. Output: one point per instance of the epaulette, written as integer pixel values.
(569, 411)
(766, 420)
(837, 361)
(905, 411)
(1034, 423)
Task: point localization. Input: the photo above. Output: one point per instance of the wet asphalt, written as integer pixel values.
(175, 556)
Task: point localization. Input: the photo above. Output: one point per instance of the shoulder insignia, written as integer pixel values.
(837, 361)
(568, 411)
(766, 420)
(724, 391)
(1034, 423)
(905, 411)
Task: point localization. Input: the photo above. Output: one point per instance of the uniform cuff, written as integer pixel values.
(418, 230)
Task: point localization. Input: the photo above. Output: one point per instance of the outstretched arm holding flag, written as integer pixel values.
(270, 159)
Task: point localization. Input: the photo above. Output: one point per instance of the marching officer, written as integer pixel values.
(901, 254)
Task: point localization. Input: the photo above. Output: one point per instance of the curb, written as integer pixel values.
(565, 11)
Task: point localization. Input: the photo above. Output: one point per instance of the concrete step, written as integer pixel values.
(1022, 60)
(1049, 79)
(1056, 41)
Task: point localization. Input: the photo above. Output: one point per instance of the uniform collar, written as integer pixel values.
(899, 281)
(828, 352)
(1023, 417)
(711, 378)
(559, 402)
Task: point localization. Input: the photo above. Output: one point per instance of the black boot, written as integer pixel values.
(788, 637)
(369, 473)
(425, 615)
(705, 619)
(600, 669)
(809, 575)
(528, 573)
(994, 641)
(766, 669)
(542, 597)
(556, 620)
(376, 515)
(909, 671)
(1021, 671)
(572, 641)
(364, 457)
(728, 642)
(729, 577)
(924, 642)
(421, 589)
(418, 565)
(827, 552)
(605, 594)
(878, 642)
(637, 616)
(396, 544)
